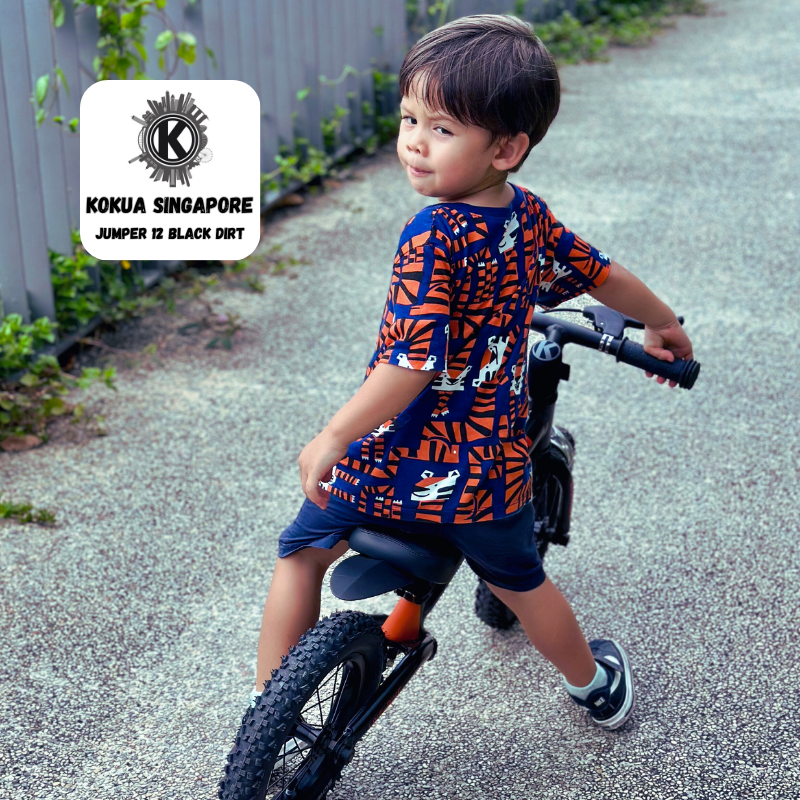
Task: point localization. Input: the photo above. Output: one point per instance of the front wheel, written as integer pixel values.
(281, 749)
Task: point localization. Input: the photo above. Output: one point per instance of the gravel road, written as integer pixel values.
(129, 631)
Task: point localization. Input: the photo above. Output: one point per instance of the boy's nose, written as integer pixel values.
(415, 141)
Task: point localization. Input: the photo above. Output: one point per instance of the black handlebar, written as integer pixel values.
(684, 373)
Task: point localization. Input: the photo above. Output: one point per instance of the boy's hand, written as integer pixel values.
(316, 463)
(667, 343)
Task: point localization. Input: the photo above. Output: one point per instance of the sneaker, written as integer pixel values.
(610, 706)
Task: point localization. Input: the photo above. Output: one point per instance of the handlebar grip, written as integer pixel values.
(684, 373)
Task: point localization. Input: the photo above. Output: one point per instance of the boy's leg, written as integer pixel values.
(553, 630)
(292, 604)
(597, 673)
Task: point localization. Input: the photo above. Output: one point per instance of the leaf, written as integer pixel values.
(59, 120)
(163, 39)
(41, 88)
(187, 38)
(185, 330)
(142, 51)
(210, 54)
(29, 379)
(73, 124)
(54, 407)
(58, 12)
(303, 93)
(40, 115)
(186, 53)
(60, 74)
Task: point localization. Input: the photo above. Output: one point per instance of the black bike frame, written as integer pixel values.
(546, 369)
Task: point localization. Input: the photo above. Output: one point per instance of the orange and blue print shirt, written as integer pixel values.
(461, 299)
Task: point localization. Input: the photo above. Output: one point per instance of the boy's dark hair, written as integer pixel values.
(487, 70)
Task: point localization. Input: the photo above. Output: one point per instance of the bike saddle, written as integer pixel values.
(434, 560)
(389, 559)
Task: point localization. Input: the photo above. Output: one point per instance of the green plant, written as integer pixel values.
(569, 41)
(85, 288)
(25, 513)
(18, 342)
(585, 36)
(27, 405)
(331, 126)
(122, 25)
(303, 162)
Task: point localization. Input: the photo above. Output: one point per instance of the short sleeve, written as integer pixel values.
(415, 325)
(571, 266)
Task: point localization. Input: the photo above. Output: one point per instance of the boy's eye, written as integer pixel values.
(407, 117)
(443, 130)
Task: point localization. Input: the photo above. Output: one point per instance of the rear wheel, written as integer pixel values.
(549, 507)
(281, 749)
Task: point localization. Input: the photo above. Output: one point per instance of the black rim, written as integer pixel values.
(323, 717)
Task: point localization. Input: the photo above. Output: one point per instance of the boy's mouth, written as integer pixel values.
(418, 173)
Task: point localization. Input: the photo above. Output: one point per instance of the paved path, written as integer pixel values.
(129, 633)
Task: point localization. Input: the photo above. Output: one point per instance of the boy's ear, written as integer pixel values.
(509, 151)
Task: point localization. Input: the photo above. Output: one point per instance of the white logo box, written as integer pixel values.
(179, 157)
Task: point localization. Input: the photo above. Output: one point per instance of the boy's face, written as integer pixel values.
(442, 157)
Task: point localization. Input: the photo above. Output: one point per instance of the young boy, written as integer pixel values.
(434, 441)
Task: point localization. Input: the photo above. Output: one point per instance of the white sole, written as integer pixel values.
(622, 715)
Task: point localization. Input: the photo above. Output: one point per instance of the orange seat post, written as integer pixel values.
(403, 624)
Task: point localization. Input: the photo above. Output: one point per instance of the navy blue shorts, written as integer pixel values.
(502, 552)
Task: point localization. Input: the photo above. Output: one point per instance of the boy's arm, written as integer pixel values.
(387, 391)
(664, 337)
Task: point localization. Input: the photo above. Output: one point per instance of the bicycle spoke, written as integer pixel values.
(322, 684)
(317, 707)
(347, 680)
(322, 706)
(279, 769)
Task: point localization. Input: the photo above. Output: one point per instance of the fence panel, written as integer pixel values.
(13, 296)
(30, 222)
(68, 102)
(283, 103)
(265, 73)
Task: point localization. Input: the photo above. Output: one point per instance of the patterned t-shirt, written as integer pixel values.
(461, 300)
